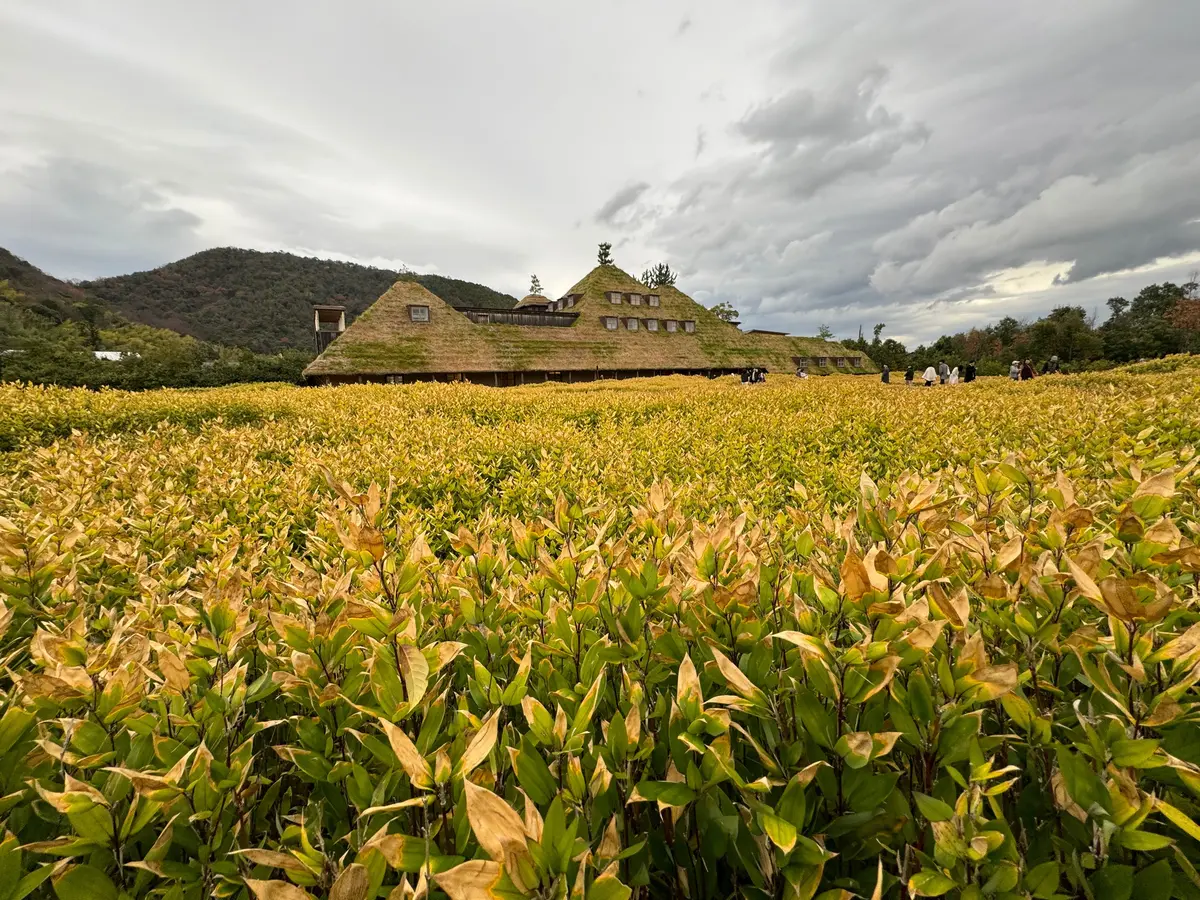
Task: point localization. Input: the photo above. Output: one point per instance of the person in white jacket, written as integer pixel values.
(1014, 371)
(930, 376)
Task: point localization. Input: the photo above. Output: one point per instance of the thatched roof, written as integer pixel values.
(533, 300)
(385, 340)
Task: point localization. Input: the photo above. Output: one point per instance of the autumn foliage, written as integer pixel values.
(666, 638)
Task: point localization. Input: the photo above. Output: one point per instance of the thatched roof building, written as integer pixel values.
(608, 325)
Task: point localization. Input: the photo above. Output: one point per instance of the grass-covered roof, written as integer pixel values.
(385, 340)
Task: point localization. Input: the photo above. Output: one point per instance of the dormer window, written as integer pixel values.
(614, 297)
(672, 326)
(652, 324)
(418, 313)
(631, 324)
(652, 299)
(570, 301)
(635, 299)
(689, 326)
(822, 361)
(610, 322)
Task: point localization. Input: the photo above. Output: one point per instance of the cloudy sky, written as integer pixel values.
(925, 164)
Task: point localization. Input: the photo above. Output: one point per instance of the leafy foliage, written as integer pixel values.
(604, 255)
(725, 312)
(1162, 320)
(604, 641)
(659, 275)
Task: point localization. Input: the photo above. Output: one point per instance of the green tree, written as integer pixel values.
(724, 311)
(604, 257)
(825, 333)
(660, 275)
(535, 286)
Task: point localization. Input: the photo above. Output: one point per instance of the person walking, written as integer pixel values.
(969, 374)
(1014, 371)
(930, 376)
(943, 371)
(953, 376)
(1027, 372)
(886, 378)
(909, 374)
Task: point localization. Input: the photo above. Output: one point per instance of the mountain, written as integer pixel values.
(263, 301)
(41, 294)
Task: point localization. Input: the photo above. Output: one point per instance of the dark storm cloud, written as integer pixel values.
(618, 207)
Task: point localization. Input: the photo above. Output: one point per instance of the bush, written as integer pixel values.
(665, 654)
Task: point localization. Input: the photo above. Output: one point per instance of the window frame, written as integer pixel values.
(689, 326)
(652, 324)
(631, 323)
(611, 323)
(414, 318)
(671, 325)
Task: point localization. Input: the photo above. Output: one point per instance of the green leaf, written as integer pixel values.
(1155, 882)
(781, 832)
(31, 882)
(533, 774)
(607, 887)
(1143, 840)
(1112, 883)
(672, 793)
(1042, 880)
(1135, 754)
(84, 883)
(932, 808)
(930, 883)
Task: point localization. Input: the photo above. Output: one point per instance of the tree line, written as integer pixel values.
(1162, 319)
(41, 345)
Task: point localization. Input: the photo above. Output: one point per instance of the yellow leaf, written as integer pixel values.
(736, 678)
(276, 890)
(855, 580)
(481, 745)
(500, 831)
(411, 760)
(472, 880)
(352, 884)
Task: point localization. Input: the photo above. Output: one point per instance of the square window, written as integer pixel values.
(631, 324)
(652, 324)
(418, 313)
(672, 325)
(653, 299)
(635, 299)
(570, 302)
(610, 322)
(689, 326)
(614, 298)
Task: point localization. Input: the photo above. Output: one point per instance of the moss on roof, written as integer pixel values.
(386, 341)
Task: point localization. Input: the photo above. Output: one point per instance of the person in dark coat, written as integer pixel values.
(909, 374)
(969, 372)
(886, 378)
(1027, 372)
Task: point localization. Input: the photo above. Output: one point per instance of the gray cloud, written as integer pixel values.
(926, 165)
(617, 209)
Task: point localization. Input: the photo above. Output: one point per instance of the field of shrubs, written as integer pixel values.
(665, 638)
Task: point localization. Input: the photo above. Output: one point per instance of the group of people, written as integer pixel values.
(941, 374)
(754, 376)
(1024, 371)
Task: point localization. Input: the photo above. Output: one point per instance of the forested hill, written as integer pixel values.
(263, 301)
(38, 292)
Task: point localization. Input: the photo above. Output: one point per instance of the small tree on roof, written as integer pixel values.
(660, 275)
(825, 332)
(535, 286)
(604, 257)
(724, 311)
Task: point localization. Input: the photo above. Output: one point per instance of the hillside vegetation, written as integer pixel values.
(263, 301)
(666, 638)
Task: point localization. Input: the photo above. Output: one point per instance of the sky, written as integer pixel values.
(932, 166)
